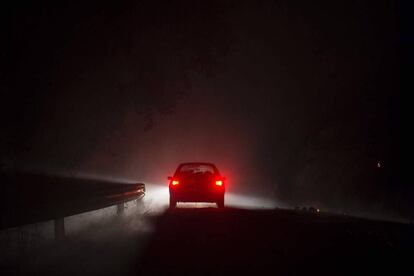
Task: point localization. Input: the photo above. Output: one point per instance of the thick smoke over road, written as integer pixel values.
(294, 104)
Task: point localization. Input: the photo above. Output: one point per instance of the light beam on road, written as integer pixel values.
(157, 199)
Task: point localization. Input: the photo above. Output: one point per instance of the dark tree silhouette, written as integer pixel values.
(71, 71)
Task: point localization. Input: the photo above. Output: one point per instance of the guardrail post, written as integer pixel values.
(140, 202)
(59, 228)
(120, 208)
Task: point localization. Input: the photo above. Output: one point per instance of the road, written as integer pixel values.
(211, 241)
(201, 239)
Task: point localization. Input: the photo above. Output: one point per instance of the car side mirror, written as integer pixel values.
(169, 178)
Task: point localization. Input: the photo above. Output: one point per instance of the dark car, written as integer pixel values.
(197, 182)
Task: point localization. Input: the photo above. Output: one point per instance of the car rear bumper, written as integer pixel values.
(182, 195)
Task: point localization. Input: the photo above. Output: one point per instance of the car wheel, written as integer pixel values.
(173, 203)
(220, 203)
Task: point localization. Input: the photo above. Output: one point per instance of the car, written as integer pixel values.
(197, 182)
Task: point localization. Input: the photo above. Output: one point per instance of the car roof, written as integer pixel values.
(197, 163)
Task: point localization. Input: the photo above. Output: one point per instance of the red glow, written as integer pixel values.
(175, 182)
(219, 182)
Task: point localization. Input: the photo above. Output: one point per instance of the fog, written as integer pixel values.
(294, 104)
(106, 241)
(96, 243)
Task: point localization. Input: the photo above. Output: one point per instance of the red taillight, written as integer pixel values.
(175, 182)
(219, 183)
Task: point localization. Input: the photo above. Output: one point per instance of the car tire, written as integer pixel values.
(220, 202)
(173, 202)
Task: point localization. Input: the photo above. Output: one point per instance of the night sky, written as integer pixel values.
(296, 101)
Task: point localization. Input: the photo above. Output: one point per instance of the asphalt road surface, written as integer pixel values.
(284, 242)
(207, 240)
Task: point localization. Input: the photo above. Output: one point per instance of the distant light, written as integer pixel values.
(317, 210)
(379, 164)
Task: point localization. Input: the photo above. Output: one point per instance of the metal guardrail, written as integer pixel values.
(27, 199)
(116, 197)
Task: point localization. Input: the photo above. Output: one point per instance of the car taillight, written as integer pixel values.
(175, 182)
(219, 183)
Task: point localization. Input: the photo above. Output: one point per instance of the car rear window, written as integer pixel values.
(197, 169)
